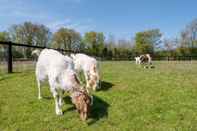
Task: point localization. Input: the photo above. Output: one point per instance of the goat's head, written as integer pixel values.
(82, 101)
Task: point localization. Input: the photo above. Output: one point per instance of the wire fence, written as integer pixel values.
(15, 57)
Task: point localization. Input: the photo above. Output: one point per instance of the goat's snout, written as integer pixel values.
(82, 102)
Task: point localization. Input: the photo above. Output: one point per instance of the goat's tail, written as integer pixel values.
(36, 52)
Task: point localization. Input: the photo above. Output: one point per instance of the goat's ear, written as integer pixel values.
(94, 69)
(76, 79)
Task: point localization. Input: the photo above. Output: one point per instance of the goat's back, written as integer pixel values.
(84, 62)
(51, 61)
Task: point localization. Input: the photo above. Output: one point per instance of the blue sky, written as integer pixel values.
(121, 18)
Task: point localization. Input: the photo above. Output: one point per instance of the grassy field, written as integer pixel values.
(131, 98)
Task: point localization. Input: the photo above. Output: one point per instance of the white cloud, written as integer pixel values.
(20, 11)
(57, 24)
(82, 27)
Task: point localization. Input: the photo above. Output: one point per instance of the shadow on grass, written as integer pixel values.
(105, 86)
(67, 100)
(98, 110)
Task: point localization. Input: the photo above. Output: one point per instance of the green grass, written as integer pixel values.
(131, 98)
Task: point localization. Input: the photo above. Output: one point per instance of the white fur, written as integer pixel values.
(36, 52)
(59, 70)
(137, 60)
(141, 60)
(147, 56)
(86, 64)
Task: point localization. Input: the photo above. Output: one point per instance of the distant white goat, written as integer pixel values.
(59, 70)
(89, 66)
(145, 59)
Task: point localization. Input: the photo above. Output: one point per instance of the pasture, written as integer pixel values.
(131, 98)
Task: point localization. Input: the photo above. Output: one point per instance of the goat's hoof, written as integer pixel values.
(39, 97)
(59, 113)
(145, 67)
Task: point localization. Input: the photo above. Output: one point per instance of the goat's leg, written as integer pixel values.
(39, 90)
(56, 96)
(61, 102)
(58, 109)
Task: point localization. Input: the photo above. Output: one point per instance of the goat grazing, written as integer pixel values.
(59, 70)
(89, 66)
(82, 102)
(145, 59)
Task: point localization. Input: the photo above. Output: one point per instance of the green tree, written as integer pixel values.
(42, 36)
(94, 42)
(4, 36)
(110, 44)
(90, 40)
(100, 41)
(188, 38)
(169, 46)
(67, 39)
(147, 41)
(31, 34)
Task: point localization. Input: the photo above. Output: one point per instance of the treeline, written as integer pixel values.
(95, 43)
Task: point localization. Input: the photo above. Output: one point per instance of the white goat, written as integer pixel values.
(89, 66)
(145, 59)
(59, 70)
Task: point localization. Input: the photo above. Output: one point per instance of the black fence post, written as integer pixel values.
(9, 55)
